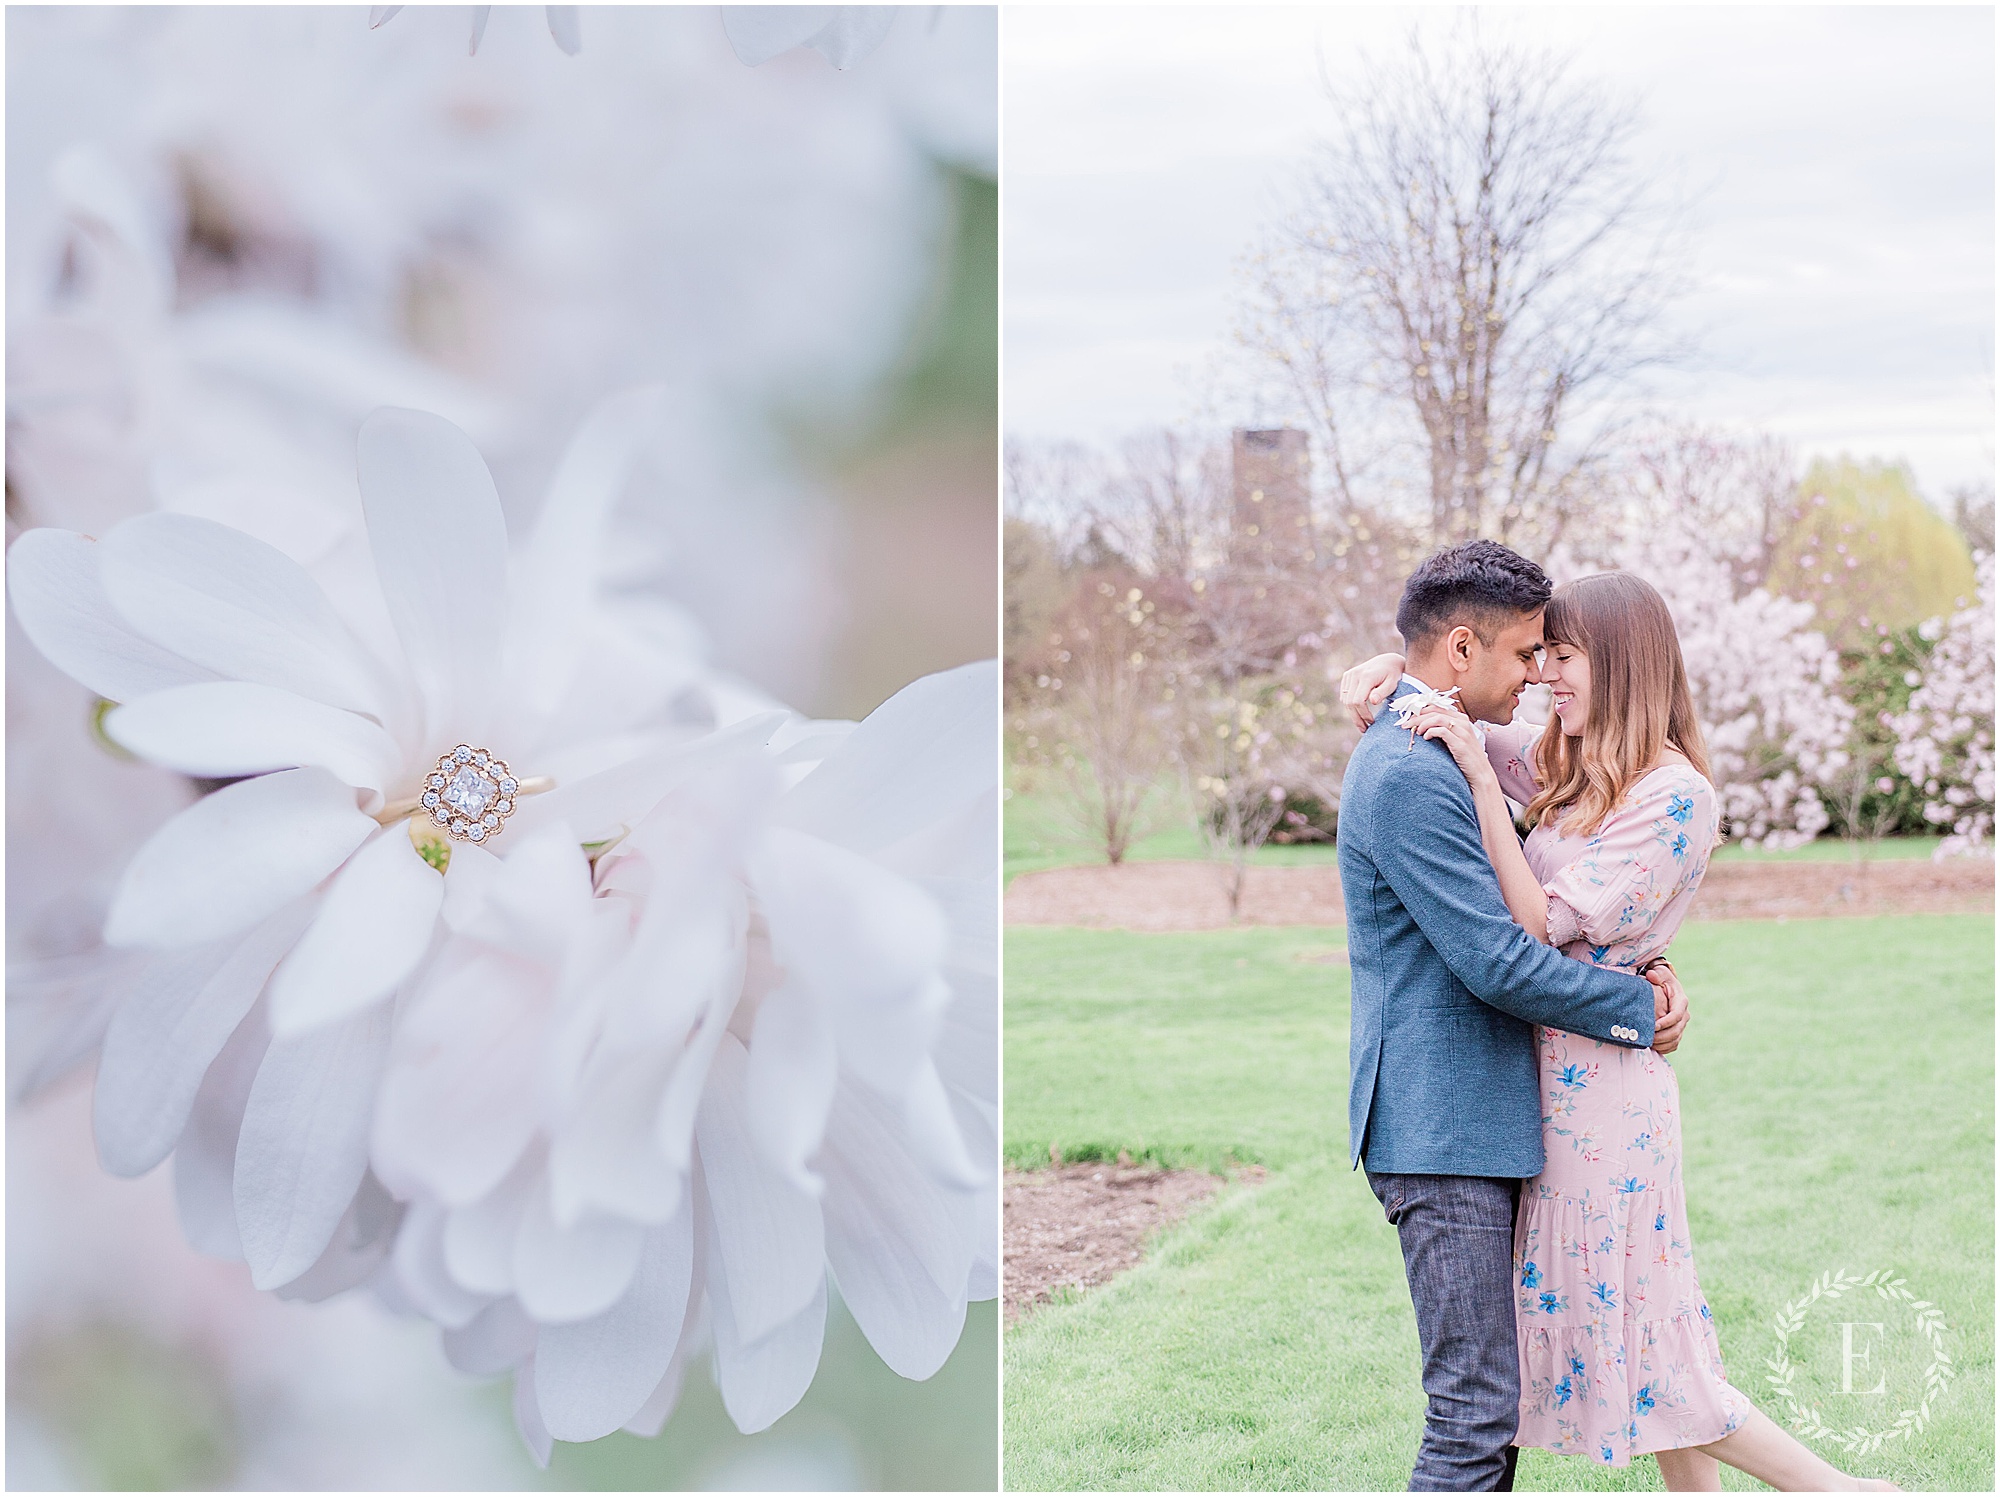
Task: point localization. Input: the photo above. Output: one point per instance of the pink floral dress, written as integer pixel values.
(1618, 1350)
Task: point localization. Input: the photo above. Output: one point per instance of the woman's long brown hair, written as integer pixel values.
(1640, 704)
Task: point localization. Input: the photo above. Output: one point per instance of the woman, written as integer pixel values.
(1618, 1350)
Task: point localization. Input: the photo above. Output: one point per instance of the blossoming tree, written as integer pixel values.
(1945, 740)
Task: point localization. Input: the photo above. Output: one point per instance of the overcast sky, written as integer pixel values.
(1840, 160)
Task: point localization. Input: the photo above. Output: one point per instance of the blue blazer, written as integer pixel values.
(1443, 1074)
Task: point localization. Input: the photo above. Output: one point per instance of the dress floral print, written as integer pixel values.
(1619, 1355)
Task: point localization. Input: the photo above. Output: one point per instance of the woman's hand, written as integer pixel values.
(1366, 686)
(1452, 728)
(1670, 1006)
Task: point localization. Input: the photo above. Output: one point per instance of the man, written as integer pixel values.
(1444, 1105)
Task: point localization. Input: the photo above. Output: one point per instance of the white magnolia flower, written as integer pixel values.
(653, 1102)
(583, 1111)
(565, 25)
(842, 34)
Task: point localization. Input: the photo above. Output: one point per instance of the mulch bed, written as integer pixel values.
(1081, 1224)
(1190, 895)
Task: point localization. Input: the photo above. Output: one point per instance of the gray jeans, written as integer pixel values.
(1457, 1233)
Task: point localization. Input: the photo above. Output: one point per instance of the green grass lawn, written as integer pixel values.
(1041, 833)
(1837, 1090)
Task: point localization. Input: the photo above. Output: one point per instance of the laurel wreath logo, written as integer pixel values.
(1857, 1439)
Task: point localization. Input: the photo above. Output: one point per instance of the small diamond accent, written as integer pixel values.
(473, 795)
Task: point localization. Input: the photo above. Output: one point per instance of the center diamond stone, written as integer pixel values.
(469, 792)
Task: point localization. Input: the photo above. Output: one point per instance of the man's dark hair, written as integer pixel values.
(1480, 584)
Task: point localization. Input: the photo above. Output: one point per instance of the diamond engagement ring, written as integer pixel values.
(469, 795)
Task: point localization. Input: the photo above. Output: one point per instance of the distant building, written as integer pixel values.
(1270, 520)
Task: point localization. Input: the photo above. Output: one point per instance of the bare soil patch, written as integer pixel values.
(1189, 895)
(1082, 1224)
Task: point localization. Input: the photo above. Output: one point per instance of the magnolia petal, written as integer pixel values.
(604, 1157)
(237, 606)
(440, 547)
(867, 943)
(854, 32)
(659, 1406)
(610, 803)
(452, 1119)
(377, 14)
(843, 34)
(222, 729)
(565, 1274)
(983, 1282)
(235, 858)
(479, 1238)
(373, 927)
(58, 1009)
(968, 1042)
(898, 1252)
(528, 1415)
(917, 757)
(767, 1229)
(595, 1375)
(361, 1240)
(761, 1381)
(481, 14)
(497, 1338)
(957, 857)
(60, 600)
(421, 1274)
(529, 902)
(205, 1158)
(673, 1123)
(789, 1083)
(168, 1032)
(566, 26)
(933, 1132)
(304, 1146)
(758, 33)
(557, 583)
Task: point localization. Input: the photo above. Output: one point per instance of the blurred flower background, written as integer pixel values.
(233, 232)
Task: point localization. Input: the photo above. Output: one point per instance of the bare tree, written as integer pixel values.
(1255, 710)
(1104, 706)
(1052, 485)
(1862, 805)
(1176, 647)
(1972, 513)
(1744, 492)
(1167, 501)
(1473, 268)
